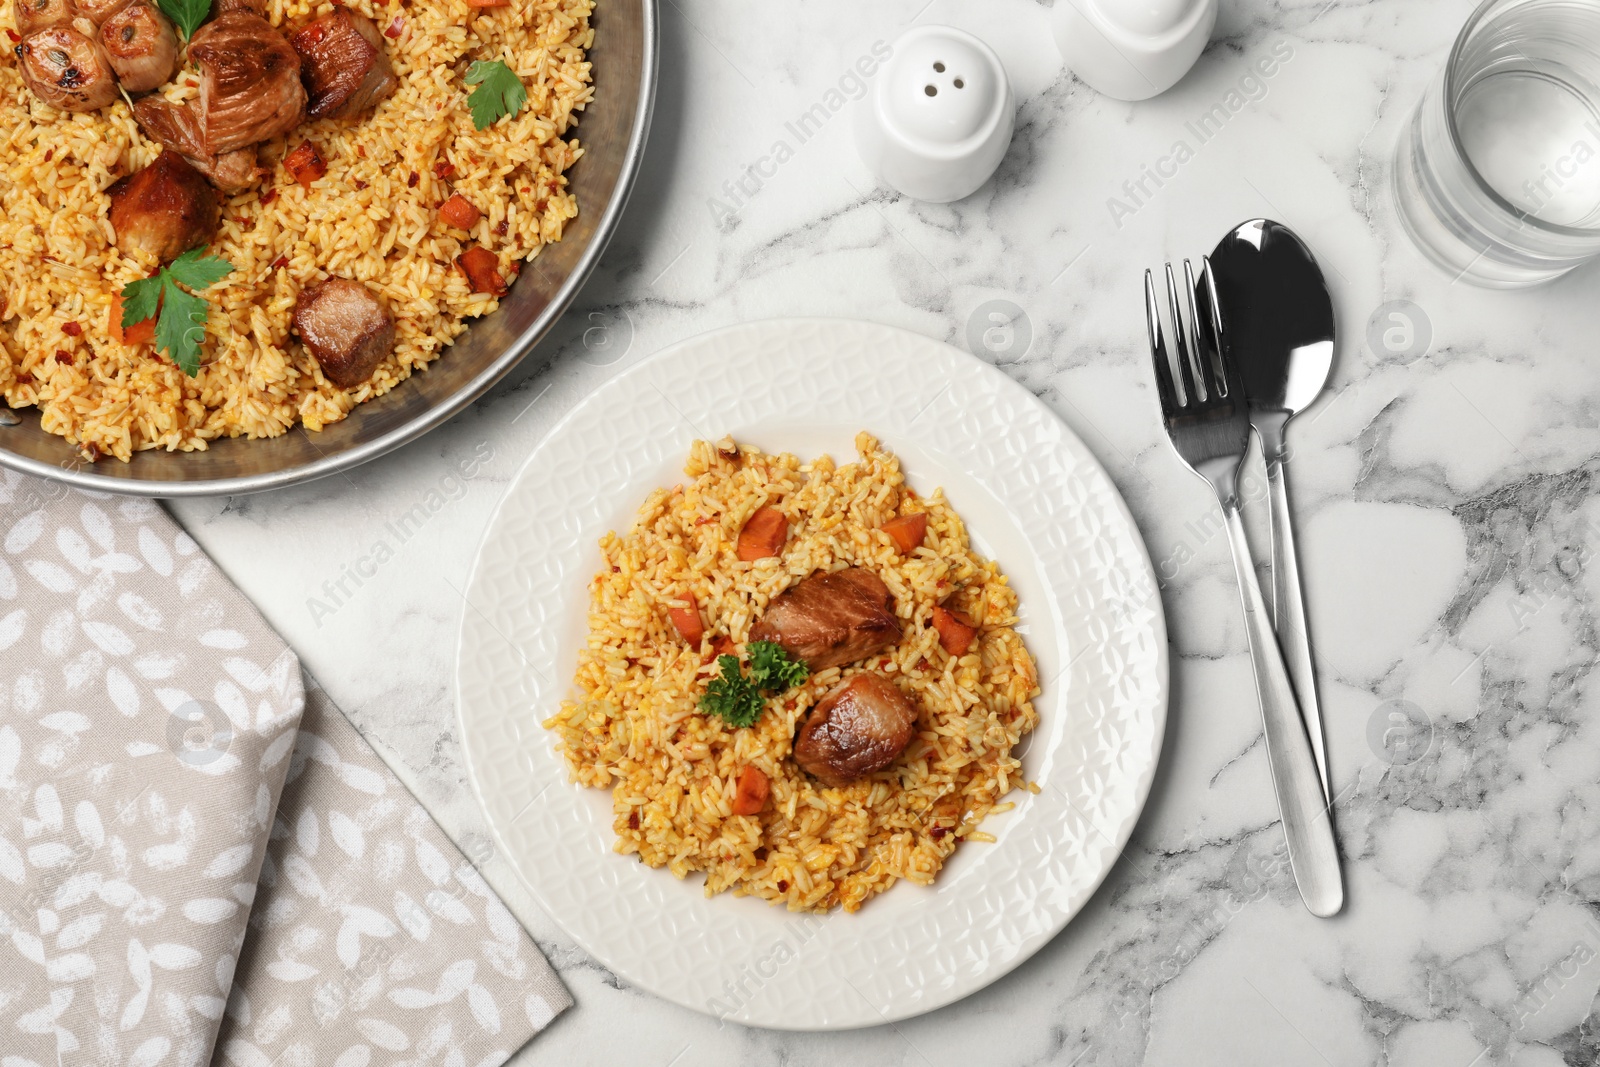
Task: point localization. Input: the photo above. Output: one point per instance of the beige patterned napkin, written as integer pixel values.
(201, 861)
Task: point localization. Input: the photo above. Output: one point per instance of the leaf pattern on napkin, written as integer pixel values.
(201, 861)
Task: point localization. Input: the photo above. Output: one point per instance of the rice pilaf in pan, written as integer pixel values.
(376, 212)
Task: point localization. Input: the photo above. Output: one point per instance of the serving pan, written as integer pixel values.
(612, 130)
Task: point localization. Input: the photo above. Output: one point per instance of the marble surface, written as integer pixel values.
(1448, 497)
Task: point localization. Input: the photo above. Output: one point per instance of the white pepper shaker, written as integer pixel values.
(939, 116)
(1132, 49)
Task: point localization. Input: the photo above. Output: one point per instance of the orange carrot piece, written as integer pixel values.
(907, 531)
(459, 212)
(687, 621)
(955, 632)
(140, 333)
(751, 795)
(763, 535)
(305, 165)
(482, 270)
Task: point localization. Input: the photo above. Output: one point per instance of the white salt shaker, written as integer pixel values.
(939, 116)
(1132, 49)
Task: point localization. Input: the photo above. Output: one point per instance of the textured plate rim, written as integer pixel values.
(1140, 782)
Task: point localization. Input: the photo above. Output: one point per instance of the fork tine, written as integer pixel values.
(1184, 369)
(1205, 368)
(1208, 281)
(1158, 349)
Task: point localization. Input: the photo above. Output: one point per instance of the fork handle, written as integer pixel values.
(1307, 826)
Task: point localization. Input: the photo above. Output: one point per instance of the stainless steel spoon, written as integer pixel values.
(1278, 326)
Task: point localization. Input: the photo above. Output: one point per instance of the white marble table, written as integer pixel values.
(1449, 502)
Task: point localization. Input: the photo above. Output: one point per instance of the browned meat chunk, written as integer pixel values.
(829, 620)
(860, 727)
(344, 65)
(228, 7)
(37, 14)
(347, 327)
(164, 210)
(176, 126)
(250, 87)
(142, 45)
(67, 70)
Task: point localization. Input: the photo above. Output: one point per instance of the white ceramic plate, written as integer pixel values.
(1034, 498)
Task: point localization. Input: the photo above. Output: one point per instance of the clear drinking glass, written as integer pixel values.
(1497, 176)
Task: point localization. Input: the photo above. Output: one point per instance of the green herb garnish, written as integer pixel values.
(737, 699)
(772, 669)
(499, 92)
(182, 326)
(732, 698)
(188, 14)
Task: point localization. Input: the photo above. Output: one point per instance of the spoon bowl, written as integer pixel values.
(1279, 317)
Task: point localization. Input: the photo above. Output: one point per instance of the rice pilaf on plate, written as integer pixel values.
(677, 774)
(373, 217)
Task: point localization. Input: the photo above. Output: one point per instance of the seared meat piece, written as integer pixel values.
(66, 69)
(165, 209)
(176, 126)
(345, 67)
(860, 727)
(142, 45)
(347, 327)
(250, 87)
(228, 7)
(37, 14)
(829, 620)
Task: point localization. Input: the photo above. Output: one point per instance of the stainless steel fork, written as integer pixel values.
(1209, 424)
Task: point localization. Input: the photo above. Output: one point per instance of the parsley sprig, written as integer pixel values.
(738, 699)
(772, 669)
(188, 14)
(182, 326)
(499, 92)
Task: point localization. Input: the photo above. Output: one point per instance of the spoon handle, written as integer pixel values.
(1307, 818)
(1288, 603)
